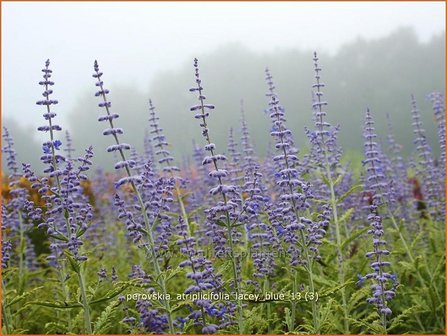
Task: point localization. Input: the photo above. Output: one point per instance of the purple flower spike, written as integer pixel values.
(431, 179)
(294, 193)
(437, 100)
(159, 141)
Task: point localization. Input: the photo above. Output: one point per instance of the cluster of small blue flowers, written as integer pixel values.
(260, 234)
(205, 280)
(151, 320)
(382, 292)
(10, 221)
(67, 209)
(19, 208)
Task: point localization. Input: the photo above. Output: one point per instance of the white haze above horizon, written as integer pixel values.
(135, 40)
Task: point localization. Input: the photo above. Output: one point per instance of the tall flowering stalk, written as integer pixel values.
(325, 155)
(68, 146)
(427, 171)
(300, 233)
(67, 211)
(399, 178)
(17, 219)
(161, 147)
(224, 211)
(437, 100)
(137, 183)
(15, 211)
(374, 185)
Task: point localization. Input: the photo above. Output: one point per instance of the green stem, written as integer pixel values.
(295, 290)
(315, 310)
(65, 289)
(22, 248)
(235, 277)
(341, 270)
(85, 305)
(269, 308)
(6, 313)
(324, 149)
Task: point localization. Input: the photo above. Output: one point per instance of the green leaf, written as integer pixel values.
(330, 291)
(74, 264)
(325, 180)
(181, 304)
(353, 236)
(111, 294)
(170, 273)
(21, 297)
(56, 304)
(349, 192)
(59, 237)
(346, 216)
(338, 179)
(105, 321)
(221, 223)
(288, 319)
(80, 232)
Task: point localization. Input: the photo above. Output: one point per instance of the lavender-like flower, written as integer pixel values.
(50, 148)
(325, 151)
(398, 174)
(147, 212)
(374, 186)
(148, 147)
(68, 146)
(430, 178)
(226, 210)
(204, 280)
(10, 153)
(234, 170)
(249, 162)
(295, 194)
(159, 141)
(261, 235)
(287, 215)
(151, 319)
(437, 100)
(382, 292)
(67, 211)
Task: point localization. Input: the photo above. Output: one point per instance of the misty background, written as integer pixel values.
(373, 55)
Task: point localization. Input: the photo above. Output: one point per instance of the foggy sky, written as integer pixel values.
(134, 41)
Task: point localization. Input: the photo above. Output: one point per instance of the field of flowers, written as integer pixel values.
(228, 244)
